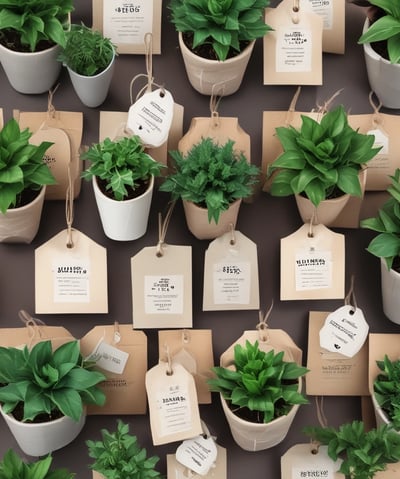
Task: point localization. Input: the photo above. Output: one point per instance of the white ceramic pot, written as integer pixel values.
(39, 439)
(124, 220)
(31, 72)
(390, 285)
(226, 75)
(20, 225)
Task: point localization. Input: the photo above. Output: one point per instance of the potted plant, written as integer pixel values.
(30, 37)
(89, 58)
(363, 453)
(216, 39)
(123, 181)
(43, 393)
(321, 160)
(211, 179)
(13, 467)
(23, 179)
(118, 455)
(386, 246)
(260, 394)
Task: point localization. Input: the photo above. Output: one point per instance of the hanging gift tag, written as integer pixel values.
(176, 470)
(173, 407)
(332, 13)
(312, 264)
(150, 117)
(198, 454)
(231, 273)
(306, 460)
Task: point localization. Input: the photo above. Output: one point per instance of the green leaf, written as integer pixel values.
(381, 29)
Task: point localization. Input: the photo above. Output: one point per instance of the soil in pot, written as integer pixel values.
(11, 39)
(206, 51)
(18, 414)
(142, 187)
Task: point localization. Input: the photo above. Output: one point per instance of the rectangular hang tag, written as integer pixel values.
(333, 374)
(173, 406)
(162, 287)
(305, 460)
(293, 49)
(176, 470)
(126, 24)
(312, 264)
(70, 280)
(231, 274)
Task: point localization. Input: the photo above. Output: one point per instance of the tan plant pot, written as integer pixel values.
(97, 475)
(390, 286)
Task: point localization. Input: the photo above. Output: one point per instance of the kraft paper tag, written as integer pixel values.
(312, 264)
(126, 24)
(176, 470)
(70, 279)
(305, 460)
(330, 373)
(332, 13)
(162, 287)
(197, 454)
(173, 407)
(293, 49)
(231, 274)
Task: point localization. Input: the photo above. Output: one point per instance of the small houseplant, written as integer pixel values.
(214, 35)
(30, 37)
(42, 389)
(321, 160)
(260, 394)
(210, 179)
(118, 455)
(123, 181)
(23, 177)
(89, 58)
(363, 453)
(386, 246)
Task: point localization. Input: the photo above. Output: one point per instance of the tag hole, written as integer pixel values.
(314, 451)
(205, 436)
(162, 94)
(296, 9)
(170, 373)
(351, 312)
(310, 235)
(70, 245)
(140, 127)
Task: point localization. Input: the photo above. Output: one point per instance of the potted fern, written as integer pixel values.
(260, 394)
(211, 179)
(216, 39)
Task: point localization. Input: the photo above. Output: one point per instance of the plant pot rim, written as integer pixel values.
(79, 75)
(37, 198)
(25, 54)
(371, 52)
(391, 270)
(12, 419)
(132, 200)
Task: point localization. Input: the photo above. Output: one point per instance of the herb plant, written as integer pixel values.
(47, 382)
(321, 159)
(387, 243)
(118, 455)
(363, 453)
(211, 175)
(13, 467)
(122, 164)
(260, 381)
(21, 165)
(387, 389)
(222, 24)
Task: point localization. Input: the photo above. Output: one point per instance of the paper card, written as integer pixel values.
(125, 390)
(293, 49)
(312, 266)
(198, 454)
(192, 348)
(162, 287)
(175, 470)
(73, 279)
(379, 345)
(332, 374)
(126, 24)
(33, 334)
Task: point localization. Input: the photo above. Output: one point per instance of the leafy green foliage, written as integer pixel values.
(387, 389)
(118, 455)
(221, 23)
(387, 243)
(121, 163)
(13, 467)
(211, 175)
(321, 157)
(363, 453)
(36, 20)
(21, 165)
(260, 381)
(87, 52)
(45, 381)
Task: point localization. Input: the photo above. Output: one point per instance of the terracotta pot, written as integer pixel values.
(390, 286)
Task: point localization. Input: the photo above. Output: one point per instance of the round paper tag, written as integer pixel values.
(198, 454)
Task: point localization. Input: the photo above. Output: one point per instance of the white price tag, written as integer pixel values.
(198, 454)
(293, 49)
(231, 282)
(109, 358)
(163, 294)
(313, 269)
(71, 280)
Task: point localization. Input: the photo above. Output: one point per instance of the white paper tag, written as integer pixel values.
(301, 462)
(381, 160)
(313, 269)
(293, 49)
(71, 280)
(198, 454)
(324, 8)
(150, 117)
(108, 357)
(345, 331)
(174, 409)
(163, 294)
(231, 283)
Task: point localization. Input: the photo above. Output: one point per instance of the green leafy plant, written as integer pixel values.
(387, 243)
(387, 389)
(224, 25)
(13, 467)
(21, 165)
(43, 381)
(122, 164)
(211, 175)
(259, 381)
(363, 453)
(321, 159)
(27, 24)
(118, 455)
(86, 51)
